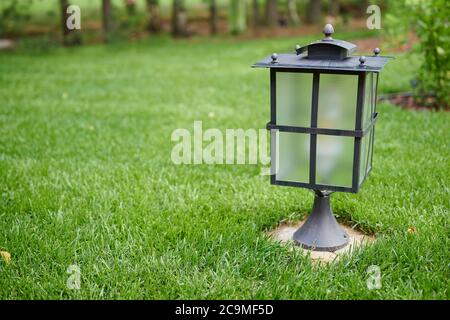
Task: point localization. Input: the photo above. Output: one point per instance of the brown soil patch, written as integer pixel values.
(409, 101)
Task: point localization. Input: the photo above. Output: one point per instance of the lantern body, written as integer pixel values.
(323, 112)
(322, 128)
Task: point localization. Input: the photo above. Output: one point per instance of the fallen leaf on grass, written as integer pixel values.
(412, 230)
(6, 256)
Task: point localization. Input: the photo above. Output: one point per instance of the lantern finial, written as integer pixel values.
(328, 30)
(274, 57)
(362, 60)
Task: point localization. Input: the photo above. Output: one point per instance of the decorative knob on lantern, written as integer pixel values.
(328, 30)
(274, 57)
(362, 60)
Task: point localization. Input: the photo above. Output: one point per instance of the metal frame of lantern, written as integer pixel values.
(313, 130)
(327, 56)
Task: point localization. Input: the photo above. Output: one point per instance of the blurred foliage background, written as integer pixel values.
(420, 26)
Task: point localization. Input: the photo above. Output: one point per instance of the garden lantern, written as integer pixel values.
(322, 117)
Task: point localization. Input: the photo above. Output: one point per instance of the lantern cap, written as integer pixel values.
(326, 54)
(327, 48)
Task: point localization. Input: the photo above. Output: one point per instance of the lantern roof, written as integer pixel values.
(327, 49)
(326, 54)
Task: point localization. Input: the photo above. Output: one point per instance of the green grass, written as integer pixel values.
(86, 179)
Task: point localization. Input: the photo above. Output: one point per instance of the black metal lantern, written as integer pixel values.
(323, 112)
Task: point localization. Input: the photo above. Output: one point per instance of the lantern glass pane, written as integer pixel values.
(337, 101)
(374, 91)
(366, 153)
(334, 160)
(369, 164)
(293, 157)
(293, 99)
(369, 100)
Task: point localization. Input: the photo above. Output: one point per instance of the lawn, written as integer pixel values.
(86, 179)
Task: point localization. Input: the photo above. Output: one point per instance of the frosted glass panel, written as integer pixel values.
(334, 162)
(294, 92)
(369, 99)
(365, 155)
(369, 164)
(374, 96)
(337, 101)
(293, 150)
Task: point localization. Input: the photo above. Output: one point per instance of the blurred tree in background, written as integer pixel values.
(179, 19)
(154, 25)
(271, 13)
(334, 8)
(256, 19)
(238, 16)
(293, 12)
(107, 20)
(214, 17)
(314, 11)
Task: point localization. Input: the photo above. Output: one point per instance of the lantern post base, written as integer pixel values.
(321, 232)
